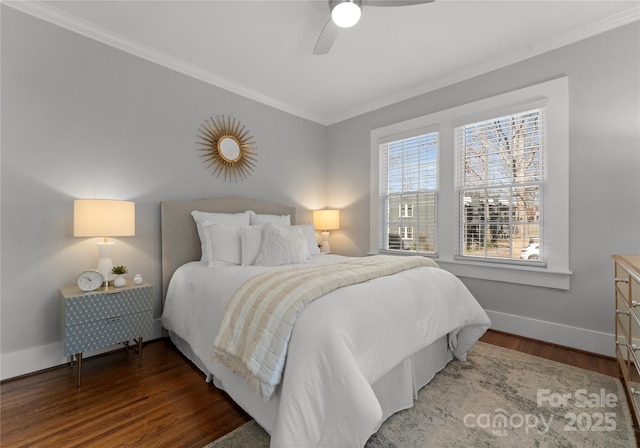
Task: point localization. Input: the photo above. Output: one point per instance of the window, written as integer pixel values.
(409, 185)
(494, 201)
(406, 211)
(406, 233)
(500, 180)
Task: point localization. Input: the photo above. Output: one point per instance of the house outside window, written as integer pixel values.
(408, 187)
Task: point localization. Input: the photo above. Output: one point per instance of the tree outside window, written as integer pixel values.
(500, 179)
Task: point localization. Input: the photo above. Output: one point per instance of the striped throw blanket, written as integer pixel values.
(259, 319)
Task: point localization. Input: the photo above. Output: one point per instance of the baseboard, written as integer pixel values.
(568, 336)
(46, 356)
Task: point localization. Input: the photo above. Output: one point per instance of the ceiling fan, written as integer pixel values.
(346, 13)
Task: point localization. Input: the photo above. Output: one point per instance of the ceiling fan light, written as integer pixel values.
(346, 14)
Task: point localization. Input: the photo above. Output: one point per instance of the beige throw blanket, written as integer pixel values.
(259, 319)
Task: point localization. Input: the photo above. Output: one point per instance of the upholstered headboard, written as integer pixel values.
(180, 241)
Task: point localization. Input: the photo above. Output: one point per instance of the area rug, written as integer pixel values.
(498, 398)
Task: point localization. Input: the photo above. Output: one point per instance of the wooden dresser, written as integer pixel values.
(627, 290)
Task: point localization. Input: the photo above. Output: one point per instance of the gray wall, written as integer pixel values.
(604, 93)
(83, 120)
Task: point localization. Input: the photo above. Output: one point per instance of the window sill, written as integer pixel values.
(524, 275)
(515, 273)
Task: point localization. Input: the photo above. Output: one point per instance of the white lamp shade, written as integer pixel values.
(326, 219)
(103, 217)
(346, 14)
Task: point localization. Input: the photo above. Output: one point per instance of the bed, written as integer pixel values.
(355, 355)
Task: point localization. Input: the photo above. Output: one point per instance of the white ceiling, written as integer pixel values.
(262, 49)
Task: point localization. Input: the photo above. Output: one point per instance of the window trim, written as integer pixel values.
(405, 208)
(404, 233)
(555, 94)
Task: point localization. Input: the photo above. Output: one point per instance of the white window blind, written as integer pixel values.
(499, 178)
(408, 193)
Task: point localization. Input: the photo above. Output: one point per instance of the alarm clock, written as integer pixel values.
(90, 280)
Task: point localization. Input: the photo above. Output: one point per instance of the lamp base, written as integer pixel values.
(104, 263)
(325, 248)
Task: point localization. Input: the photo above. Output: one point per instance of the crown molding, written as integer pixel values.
(91, 30)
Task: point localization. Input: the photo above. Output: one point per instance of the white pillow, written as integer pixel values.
(258, 219)
(282, 245)
(222, 243)
(310, 235)
(250, 242)
(220, 218)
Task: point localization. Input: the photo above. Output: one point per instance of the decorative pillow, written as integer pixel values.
(282, 245)
(219, 218)
(310, 235)
(250, 241)
(258, 219)
(222, 243)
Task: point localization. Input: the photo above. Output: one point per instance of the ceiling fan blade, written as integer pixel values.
(327, 38)
(396, 2)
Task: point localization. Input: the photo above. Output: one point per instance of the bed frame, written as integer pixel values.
(180, 241)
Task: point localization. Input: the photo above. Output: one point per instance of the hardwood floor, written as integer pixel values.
(578, 358)
(164, 403)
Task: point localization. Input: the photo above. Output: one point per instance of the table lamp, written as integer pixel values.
(105, 218)
(326, 220)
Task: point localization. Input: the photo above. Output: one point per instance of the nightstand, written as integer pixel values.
(106, 316)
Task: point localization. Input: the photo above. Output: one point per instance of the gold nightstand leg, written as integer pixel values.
(79, 358)
(137, 348)
(139, 341)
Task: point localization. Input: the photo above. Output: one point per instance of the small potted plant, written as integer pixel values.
(119, 271)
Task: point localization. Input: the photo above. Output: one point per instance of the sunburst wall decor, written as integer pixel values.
(227, 147)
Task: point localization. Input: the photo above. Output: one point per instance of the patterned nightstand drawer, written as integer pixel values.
(113, 330)
(100, 306)
(98, 319)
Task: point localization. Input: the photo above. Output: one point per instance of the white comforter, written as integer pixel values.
(340, 345)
